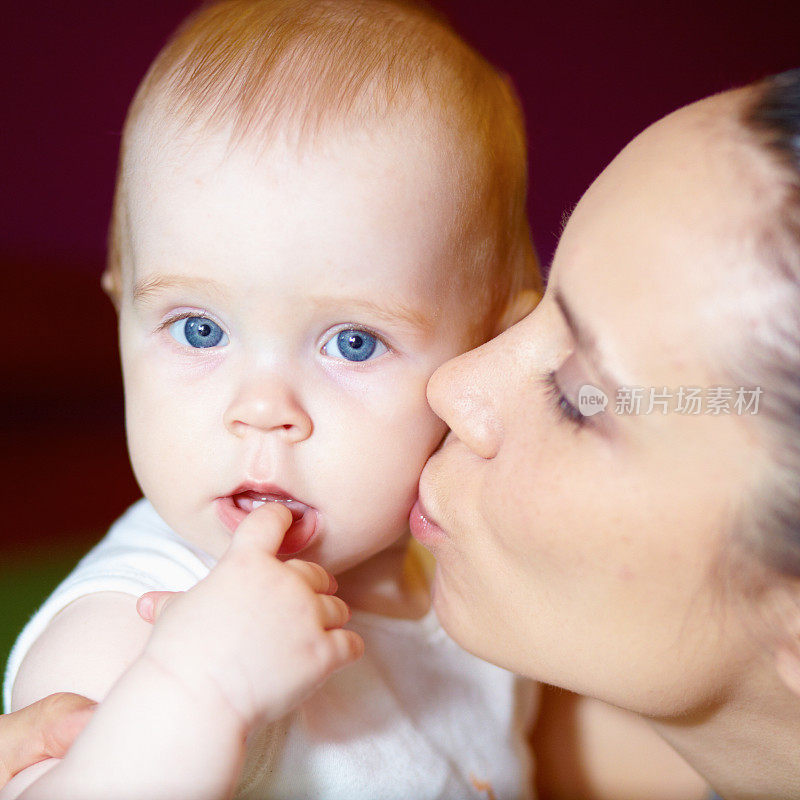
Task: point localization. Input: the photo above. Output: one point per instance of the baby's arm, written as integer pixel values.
(141, 741)
(85, 649)
(243, 646)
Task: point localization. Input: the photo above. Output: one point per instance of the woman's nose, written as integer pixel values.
(463, 393)
(268, 405)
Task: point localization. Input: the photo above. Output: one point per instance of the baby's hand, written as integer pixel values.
(257, 633)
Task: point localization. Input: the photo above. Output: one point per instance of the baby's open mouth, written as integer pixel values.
(249, 501)
(233, 508)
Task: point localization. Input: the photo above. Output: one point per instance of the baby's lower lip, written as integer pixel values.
(232, 509)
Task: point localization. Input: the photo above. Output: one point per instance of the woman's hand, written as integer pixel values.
(45, 729)
(257, 633)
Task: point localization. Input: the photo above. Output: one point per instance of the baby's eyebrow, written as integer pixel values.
(147, 288)
(391, 312)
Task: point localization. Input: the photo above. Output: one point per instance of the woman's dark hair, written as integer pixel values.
(771, 358)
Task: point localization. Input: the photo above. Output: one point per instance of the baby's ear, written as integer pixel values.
(518, 306)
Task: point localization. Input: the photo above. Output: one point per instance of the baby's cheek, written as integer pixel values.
(410, 454)
(156, 442)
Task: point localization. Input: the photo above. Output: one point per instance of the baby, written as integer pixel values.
(318, 203)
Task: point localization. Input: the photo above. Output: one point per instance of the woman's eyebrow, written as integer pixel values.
(587, 342)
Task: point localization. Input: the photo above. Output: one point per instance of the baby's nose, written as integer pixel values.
(268, 405)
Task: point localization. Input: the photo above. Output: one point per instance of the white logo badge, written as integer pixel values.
(591, 400)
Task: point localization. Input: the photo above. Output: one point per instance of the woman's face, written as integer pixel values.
(587, 552)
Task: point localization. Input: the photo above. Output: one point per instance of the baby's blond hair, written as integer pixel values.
(303, 68)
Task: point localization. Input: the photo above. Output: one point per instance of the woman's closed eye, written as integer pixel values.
(564, 408)
(354, 344)
(197, 331)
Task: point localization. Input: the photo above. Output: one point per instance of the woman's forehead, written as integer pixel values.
(655, 254)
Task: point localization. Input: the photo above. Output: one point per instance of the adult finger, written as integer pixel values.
(334, 612)
(63, 717)
(45, 729)
(151, 605)
(317, 577)
(263, 528)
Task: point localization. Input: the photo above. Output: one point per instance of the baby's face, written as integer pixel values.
(281, 316)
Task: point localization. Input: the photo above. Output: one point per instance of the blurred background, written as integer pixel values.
(590, 74)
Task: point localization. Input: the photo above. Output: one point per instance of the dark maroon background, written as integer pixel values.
(590, 74)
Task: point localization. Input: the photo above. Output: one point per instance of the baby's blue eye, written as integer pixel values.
(354, 345)
(198, 332)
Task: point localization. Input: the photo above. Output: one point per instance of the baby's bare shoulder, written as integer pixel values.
(84, 649)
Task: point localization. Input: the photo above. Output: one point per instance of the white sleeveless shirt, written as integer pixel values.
(417, 717)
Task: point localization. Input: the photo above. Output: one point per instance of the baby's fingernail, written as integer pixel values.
(145, 606)
(334, 585)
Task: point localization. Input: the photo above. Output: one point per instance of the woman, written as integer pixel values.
(650, 560)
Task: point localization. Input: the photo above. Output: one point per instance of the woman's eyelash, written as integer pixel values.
(563, 407)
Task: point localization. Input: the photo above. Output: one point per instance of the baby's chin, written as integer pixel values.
(341, 543)
(343, 560)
